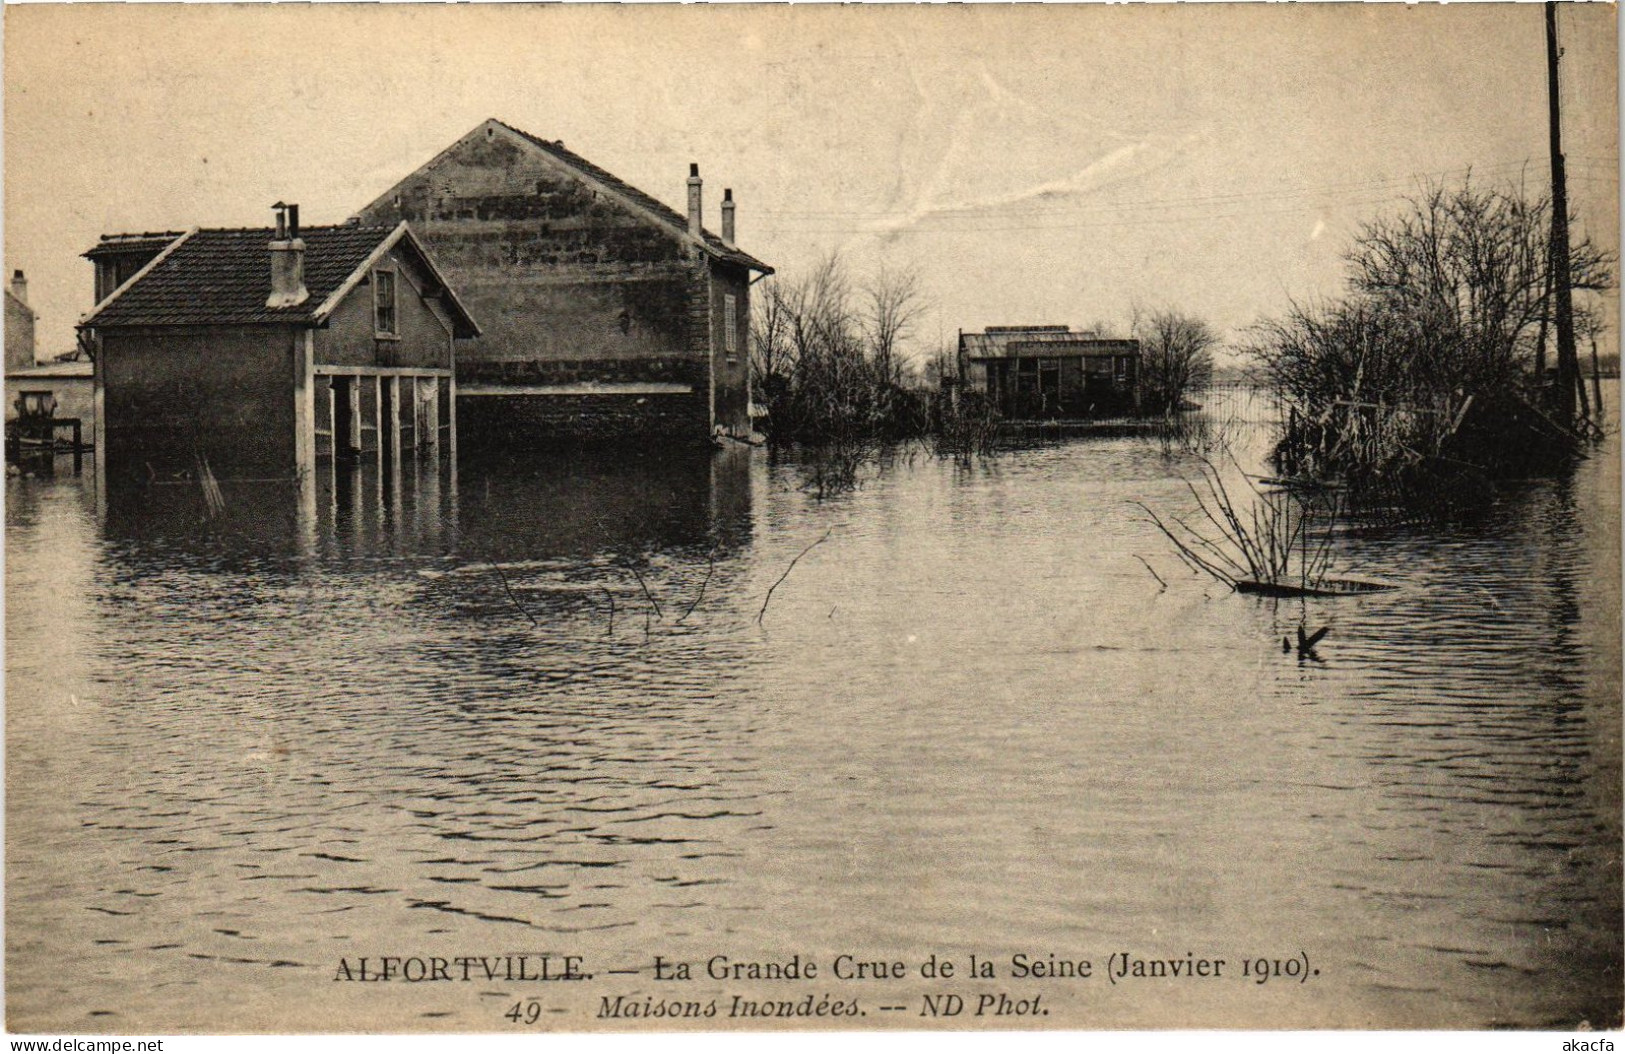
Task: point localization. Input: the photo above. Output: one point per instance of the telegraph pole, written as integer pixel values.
(1568, 362)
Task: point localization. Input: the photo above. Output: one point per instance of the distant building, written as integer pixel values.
(19, 325)
(33, 388)
(60, 389)
(257, 352)
(53, 389)
(604, 312)
(1050, 372)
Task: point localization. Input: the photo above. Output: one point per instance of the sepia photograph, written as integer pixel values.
(825, 518)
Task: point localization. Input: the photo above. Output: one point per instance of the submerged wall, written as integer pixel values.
(172, 398)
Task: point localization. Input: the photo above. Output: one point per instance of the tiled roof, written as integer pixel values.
(148, 241)
(1001, 341)
(713, 243)
(223, 277)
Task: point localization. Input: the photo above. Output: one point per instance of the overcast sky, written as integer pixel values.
(1033, 164)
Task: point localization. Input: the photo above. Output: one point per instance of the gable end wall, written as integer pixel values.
(568, 283)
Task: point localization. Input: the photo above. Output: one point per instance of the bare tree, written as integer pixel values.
(772, 355)
(1447, 313)
(828, 356)
(808, 355)
(894, 303)
(1465, 271)
(1176, 357)
(942, 367)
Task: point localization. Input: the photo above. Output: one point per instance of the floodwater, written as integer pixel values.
(688, 708)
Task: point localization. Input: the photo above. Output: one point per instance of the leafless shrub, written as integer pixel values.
(1270, 537)
(828, 360)
(967, 427)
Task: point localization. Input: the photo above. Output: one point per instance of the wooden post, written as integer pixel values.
(417, 415)
(1596, 379)
(432, 411)
(378, 419)
(98, 425)
(304, 419)
(393, 386)
(304, 405)
(352, 394)
(1568, 371)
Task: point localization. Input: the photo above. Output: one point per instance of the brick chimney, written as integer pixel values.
(728, 217)
(19, 287)
(287, 260)
(694, 185)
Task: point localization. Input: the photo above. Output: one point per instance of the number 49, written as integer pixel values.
(525, 1013)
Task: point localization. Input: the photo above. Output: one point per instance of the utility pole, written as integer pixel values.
(1568, 362)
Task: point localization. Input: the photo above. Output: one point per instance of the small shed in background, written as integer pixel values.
(1050, 372)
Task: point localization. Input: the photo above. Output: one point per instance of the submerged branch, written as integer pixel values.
(645, 587)
(1154, 574)
(710, 568)
(1185, 551)
(506, 588)
(768, 598)
(503, 577)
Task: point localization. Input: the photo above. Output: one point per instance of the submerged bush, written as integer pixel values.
(1444, 325)
(826, 358)
(966, 427)
(1276, 536)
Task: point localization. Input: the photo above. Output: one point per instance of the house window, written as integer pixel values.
(730, 325)
(383, 303)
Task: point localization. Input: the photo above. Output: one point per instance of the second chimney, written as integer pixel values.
(694, 185)
(19, 287)
(287, 260)
(728, 217)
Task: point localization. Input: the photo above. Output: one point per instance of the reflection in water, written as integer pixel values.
(501, 508)
(530, 708)
(587, 505)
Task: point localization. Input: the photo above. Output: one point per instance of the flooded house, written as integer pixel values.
(1051, 372)
(250, 354)
(605, 313)
(37, 390)
(45, 401)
